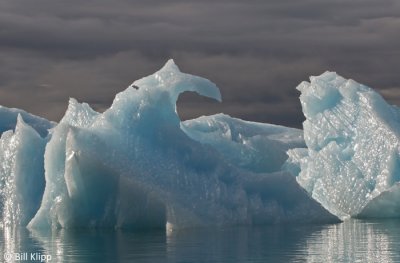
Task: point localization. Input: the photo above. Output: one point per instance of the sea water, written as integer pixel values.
(350, 241)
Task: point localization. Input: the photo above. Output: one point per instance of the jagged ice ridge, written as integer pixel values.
(351, 164)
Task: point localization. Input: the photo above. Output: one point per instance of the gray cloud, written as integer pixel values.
(257, 52)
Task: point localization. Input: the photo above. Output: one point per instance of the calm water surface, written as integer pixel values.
(351, 241)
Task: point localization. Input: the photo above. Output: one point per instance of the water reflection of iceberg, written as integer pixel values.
(106, 245)
(17, 240)
(355, 241)
(351, 241)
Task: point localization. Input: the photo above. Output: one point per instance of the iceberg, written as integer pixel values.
(22, 145)
(351, 164)
(137, 165)
(21, 172)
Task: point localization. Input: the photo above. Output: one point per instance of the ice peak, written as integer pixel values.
(20, 119)
(170, 79)
(170, 66)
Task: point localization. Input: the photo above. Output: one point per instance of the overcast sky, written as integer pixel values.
(257, 52)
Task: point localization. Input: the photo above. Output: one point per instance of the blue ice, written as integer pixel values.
(137, 165)
(351, 164)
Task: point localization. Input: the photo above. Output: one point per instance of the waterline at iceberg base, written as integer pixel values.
(138, 166)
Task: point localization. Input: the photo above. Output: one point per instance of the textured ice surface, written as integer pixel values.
(136, 165)
(256, 147)
(352, 164)
(21, 173)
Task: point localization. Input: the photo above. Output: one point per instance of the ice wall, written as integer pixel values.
(21, 173)
(137, 166)
(22, 144)
(352, 164)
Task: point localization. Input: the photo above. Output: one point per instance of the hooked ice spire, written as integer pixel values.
(171, 79)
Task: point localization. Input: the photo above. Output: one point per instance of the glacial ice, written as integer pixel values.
(21, 173)
(256, 147)
(22, 144)
(138, 166)
(351, 164)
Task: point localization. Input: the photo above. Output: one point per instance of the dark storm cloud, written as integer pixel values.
(257, 52)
